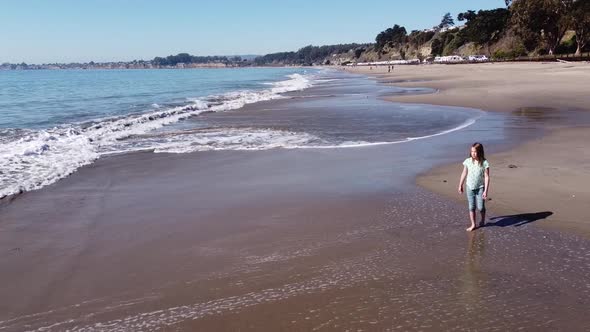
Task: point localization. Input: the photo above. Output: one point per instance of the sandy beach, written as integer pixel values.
(492, 86)
(546, 174)
(329, 239)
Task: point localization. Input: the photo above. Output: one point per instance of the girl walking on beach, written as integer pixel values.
(476, 170)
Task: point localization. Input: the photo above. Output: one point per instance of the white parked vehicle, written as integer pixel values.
(449, 59)
(478, 58)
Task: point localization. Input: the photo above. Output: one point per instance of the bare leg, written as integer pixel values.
(483, 218)
(472, 219)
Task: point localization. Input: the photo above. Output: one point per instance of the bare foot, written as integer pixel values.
(482, 223)
(470, 228)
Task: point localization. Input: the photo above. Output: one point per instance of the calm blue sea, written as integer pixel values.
(53, 122)
(47, 98)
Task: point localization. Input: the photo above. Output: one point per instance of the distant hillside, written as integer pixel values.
(247, 57)
(524, 27)
(314, 55)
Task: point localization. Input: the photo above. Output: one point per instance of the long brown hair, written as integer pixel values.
(480, 154)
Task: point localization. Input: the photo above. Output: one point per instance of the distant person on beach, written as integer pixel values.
(476, 175)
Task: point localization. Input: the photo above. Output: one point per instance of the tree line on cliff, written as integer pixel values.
(533, 27)
(173, 60)
(523, 27)
(308, 55)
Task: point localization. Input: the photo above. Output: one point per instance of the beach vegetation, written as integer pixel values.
(508, 54)
(310, 54)
(417, 37)
(523, 27)
(392, 37)
(358, 52)
(436, 47)
(502, 54)
(518, 49)
(580, 15)
(567, 45)
(543, 21)
(452, 43)
(485, 26)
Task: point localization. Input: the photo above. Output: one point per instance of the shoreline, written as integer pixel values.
(469, 85)
(546, 167)
(281, 239)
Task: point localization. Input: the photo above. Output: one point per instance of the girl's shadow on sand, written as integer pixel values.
(517, 219)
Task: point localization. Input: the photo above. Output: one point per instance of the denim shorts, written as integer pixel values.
(475, 197)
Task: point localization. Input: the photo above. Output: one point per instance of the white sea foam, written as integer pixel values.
(42, 158)
(359, 144)
(211, 139)
(33, 159)
(215, 139)
(327, 80)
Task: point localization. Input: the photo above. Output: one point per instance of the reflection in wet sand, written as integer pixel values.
(473, 276)
(536, 113)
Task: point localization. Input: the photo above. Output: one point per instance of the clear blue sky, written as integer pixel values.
(42, 31)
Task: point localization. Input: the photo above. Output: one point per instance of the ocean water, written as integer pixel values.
(53, 122)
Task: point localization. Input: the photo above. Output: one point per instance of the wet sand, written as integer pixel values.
(295, 240)
(550, 171)
(99, 251)
(546, 175)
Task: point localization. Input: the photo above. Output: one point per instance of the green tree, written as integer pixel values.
(358, 52)
(452, 41)
(158, 61)
(310, 54)
(391, 36)
(417, 38)
(182, 57)
(467, 16)
(580, 16)
(545, 20)
(447, 21)
(436, 47)
(485, 26)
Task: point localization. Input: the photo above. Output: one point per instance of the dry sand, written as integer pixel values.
(493, 86)
(552, 173)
